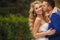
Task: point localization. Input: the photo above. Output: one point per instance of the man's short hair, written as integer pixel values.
(51, 3)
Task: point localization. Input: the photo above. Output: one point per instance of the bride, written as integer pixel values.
(38, 21)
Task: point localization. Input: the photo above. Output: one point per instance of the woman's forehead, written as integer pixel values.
(38, 5)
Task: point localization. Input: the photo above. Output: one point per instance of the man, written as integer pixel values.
(54, 15)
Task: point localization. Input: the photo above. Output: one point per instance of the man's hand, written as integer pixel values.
(51, 31)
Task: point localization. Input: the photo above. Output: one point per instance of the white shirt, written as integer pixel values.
(54, 10)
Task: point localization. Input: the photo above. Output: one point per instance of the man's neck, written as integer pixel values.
(50, 12)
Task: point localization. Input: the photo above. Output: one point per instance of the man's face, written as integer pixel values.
(45, 6)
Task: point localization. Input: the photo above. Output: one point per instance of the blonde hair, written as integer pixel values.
(31, 14)
(32, 17)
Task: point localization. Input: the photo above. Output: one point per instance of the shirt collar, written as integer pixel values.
(55, 10)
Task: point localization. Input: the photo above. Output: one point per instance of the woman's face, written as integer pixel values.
(38, 9)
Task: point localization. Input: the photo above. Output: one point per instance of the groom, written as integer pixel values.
(54, 15)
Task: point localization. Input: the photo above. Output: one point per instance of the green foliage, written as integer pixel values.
(12, 26)
(15, 6)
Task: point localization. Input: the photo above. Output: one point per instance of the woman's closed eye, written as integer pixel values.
(36, 8)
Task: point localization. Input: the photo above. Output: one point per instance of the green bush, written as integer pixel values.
(14, 27)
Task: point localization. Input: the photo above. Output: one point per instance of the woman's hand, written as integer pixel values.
(51, 31)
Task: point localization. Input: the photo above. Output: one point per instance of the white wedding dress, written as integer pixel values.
(43, 27)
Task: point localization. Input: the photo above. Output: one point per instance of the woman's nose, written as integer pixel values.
(40, 8)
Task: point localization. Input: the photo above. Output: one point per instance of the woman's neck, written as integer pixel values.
(40, 16)
(42, 20)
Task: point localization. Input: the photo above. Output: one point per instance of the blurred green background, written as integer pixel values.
(14, 19)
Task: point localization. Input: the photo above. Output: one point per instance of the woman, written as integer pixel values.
(38, 21)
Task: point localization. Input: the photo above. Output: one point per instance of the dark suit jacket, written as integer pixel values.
(55, 24)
